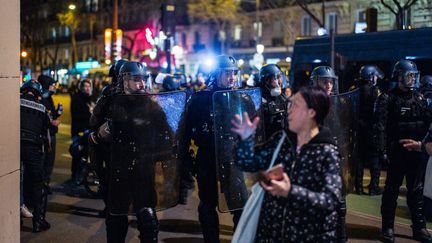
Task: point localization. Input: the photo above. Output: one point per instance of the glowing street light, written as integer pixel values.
(24, 54)
(260, 48)
(72, 6)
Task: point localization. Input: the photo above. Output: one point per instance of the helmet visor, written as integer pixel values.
(411, 79)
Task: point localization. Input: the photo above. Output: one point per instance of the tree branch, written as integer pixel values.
(388, 7)
(397, 4)
(409, 4)
(307, 10)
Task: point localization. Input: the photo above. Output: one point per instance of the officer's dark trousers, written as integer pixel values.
(375, 170)
(49, 159)
(411, 165)
(137, 186)
(32, 158)
(208, 195)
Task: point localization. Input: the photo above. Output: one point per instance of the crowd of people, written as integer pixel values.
(306, 203)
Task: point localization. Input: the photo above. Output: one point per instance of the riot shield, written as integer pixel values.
(343, 123)
(233, 185)
(146, 130)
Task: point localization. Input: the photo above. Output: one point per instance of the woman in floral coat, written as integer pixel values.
(302, 207)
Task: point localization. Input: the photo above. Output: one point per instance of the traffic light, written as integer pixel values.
(168, 18)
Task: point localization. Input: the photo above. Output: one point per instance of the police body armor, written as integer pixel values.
(33, 121)
(343, 123)
(408, 117)
(233, 183)
(275, 114)
(145, 131)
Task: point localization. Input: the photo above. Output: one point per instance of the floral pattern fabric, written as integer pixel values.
(309, 213)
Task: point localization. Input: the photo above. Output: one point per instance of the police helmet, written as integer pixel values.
(32, 85)
(224, 64)
(272, 70)
(368, 71)
(426, 82)
(45, 81)
(181, 79)
(132, 69)
(170, 83)
(406, 68)
(322, 72)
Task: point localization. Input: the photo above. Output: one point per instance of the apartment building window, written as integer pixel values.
(278, 29)
(53, 33)
(237, 32)
(331, 22)
(360, 15)
(197, 37)
(306, 26)
(91, 5)
(184, 40)
(257, 29)
(66, 31)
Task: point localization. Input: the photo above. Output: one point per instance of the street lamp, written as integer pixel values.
(72, 6)
(260, 48)
(24, 54)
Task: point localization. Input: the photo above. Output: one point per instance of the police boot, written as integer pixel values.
(209, 221)
(359, 189)
(422, 235)
(148, 225)
(388, 235)
(375, 176)
(39, 222)
(116, 228)
(183, 194)
(374, 189)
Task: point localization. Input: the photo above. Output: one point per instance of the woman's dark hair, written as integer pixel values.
(317, 99)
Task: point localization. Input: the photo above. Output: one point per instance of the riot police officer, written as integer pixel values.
(131, 177)
(426, 88)
(274, 101)
(199, 135)
(34, 130)
(49, 88)
(369, 92)
(325, 77)
(99, 143)
(403, 114)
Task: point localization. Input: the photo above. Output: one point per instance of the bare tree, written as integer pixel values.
(304, 5)
(71, 20)
(219, 12)
(399, 12)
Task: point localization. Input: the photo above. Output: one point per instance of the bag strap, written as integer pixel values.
(276, 152)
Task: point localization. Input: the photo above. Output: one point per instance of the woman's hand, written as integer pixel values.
(278, 188)
(411, 145)
(244, 128)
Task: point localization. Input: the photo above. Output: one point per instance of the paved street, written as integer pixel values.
(75, 219)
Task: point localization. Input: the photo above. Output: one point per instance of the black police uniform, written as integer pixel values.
(80, 113)
(367, 147)
(275, 114)
(100, 152)
(131, 175)
(200, 131)
(34, 130)
(402, 114)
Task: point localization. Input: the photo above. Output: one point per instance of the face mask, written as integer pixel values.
(276, 91)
